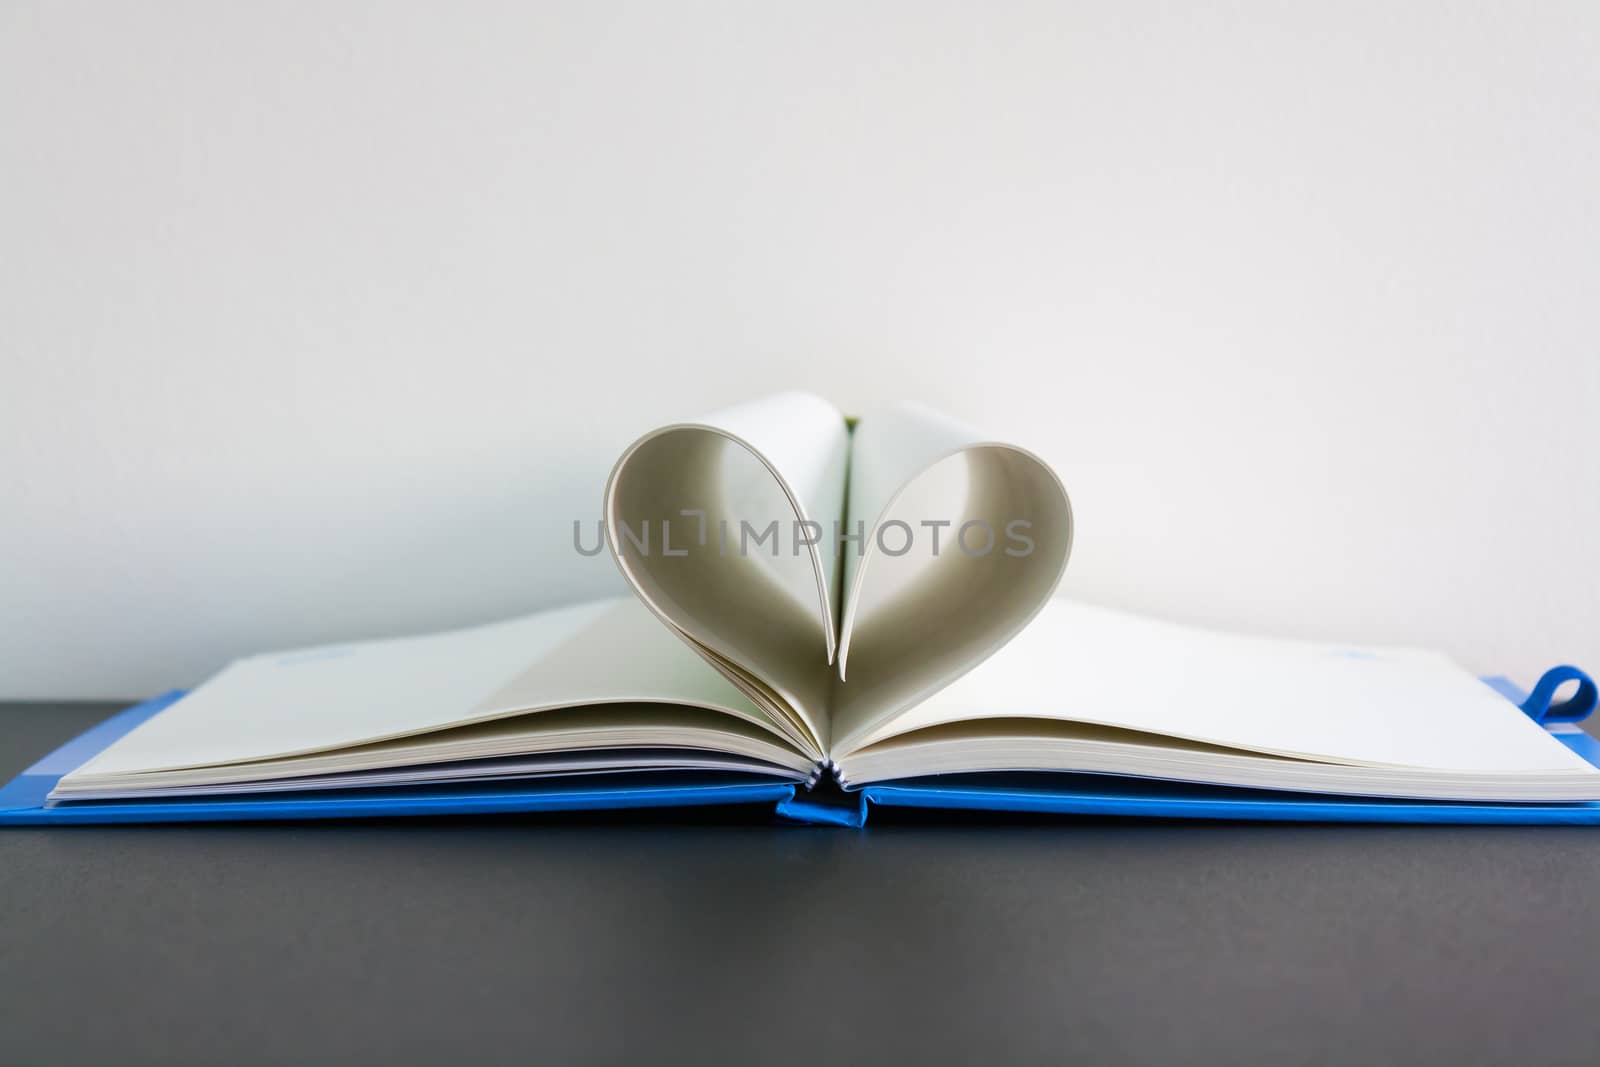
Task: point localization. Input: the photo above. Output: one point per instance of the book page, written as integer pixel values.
(586, 729)
(959, 541)
(725, 528)
(806, 443)
(332, 697)
(1350, 704)
(889, 448)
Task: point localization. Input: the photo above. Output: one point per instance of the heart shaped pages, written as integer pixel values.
(837, 576)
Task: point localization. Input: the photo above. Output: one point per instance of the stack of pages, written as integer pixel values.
(824, 604)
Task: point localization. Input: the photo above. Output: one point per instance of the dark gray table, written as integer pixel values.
(718, 938)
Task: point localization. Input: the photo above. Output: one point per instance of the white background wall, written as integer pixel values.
(315, 317)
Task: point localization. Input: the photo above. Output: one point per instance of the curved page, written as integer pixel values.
(959, 540)
(1358, 706)
(724, 527)
(326, 699)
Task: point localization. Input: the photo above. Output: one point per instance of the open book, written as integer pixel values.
(871, 601)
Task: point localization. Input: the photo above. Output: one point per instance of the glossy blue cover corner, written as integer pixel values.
(24, 800)
(811, 808)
